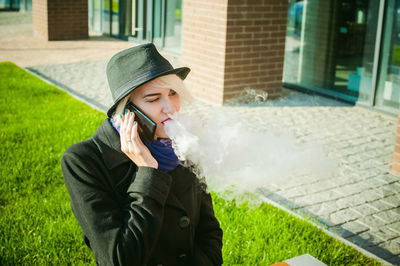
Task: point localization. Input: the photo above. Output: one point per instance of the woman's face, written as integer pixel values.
(156, 102)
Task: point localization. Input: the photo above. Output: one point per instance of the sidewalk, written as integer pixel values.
(362, 202)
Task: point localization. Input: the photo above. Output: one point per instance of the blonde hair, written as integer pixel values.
(170, 81)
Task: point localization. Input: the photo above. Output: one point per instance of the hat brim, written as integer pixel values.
(181, 72)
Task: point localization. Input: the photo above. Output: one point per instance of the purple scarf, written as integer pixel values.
(162, 151)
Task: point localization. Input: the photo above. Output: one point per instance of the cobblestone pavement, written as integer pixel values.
(361, 203)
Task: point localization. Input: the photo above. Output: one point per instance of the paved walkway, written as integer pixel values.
(361, 203)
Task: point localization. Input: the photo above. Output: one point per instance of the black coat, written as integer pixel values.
(138, 215)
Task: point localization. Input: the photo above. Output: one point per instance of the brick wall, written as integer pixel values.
(396, 153)
(255, 46)
(60, 19)
(203, 41)
(232, 45)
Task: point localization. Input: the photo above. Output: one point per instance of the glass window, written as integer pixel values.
(14, 4)
(158, 22)
(24, 5)
(127, 17)
(330, 46)
(115, 17)
(106, 17)
(28, 5)
(95, 17)
(9, 4)
(167, 24)
(388, 90)
(173, 25)
(132, 19)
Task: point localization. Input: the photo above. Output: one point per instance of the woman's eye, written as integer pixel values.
(153, 100)
(172, 92)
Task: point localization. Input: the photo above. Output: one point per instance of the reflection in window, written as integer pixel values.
(106, 15)
(10, 4)
(173, 27)
(157, 21)
(330, 46)
(388, 93)
(167, 24)
(95, 17)
(115, 17)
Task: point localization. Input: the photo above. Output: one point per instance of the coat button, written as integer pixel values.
(184, 222)
(182, 258)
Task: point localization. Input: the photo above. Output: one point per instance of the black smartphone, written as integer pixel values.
(147, 127)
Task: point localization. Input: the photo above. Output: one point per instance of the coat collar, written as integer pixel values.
(107, 140)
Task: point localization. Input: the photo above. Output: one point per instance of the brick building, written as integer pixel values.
(232, 45)
(229, 45)
(345, 49)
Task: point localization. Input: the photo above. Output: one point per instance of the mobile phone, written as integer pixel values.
(147, 127)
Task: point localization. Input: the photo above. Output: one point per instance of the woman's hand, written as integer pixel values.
(132, 145)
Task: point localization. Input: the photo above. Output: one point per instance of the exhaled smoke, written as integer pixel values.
(233, 158)
(249, 95)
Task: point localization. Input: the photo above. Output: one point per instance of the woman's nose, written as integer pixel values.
(169, 107)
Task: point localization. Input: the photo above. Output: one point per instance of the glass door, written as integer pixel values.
(388, 89)
(133, 20)
(173, 26)
(9, 4)
(106, 17)
(114, 18)
(355, 37)
(330, 47)
(25, 5)
(95, 20)
(156, 21)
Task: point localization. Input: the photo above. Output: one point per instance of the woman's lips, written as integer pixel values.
(169, 118)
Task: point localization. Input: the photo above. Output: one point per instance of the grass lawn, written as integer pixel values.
(37, 226)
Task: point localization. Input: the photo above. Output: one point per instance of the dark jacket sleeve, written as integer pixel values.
(208, 238)
(116, 233)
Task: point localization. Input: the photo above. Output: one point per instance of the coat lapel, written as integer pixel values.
(182, 183)
(107, 140)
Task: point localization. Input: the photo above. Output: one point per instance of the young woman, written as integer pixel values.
(135, 202)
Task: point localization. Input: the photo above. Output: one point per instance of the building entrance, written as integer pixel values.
(334, 47)
(156, 21)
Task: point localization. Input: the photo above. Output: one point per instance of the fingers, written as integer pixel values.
(134, 134)
(132, 145)
(122, 131)
(130, 140)
(126, 129)
(129, 117)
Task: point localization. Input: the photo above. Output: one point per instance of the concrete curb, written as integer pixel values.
(96, 105)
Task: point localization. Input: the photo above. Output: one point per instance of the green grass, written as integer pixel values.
(396, 55)
(267, 235)
(37, 226)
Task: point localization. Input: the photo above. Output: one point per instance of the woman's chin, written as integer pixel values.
(160, 135)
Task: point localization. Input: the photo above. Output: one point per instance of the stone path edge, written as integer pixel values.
(321, 226)
(96, 105)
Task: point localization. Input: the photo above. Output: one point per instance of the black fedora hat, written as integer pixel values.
(135, 66)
